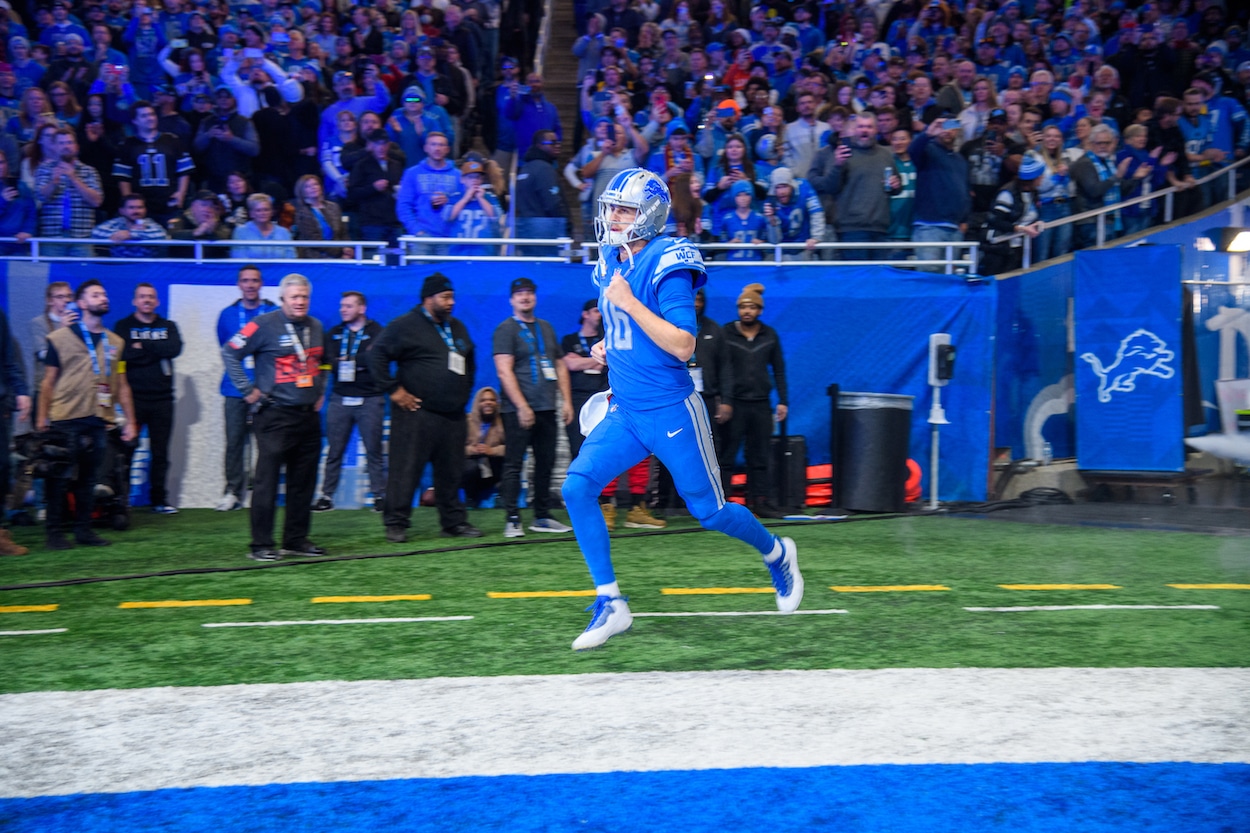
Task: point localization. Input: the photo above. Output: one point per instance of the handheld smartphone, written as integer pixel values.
(253, 52)
(178, 43)
(951, 124)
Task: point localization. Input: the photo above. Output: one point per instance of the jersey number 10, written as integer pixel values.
(617, 328)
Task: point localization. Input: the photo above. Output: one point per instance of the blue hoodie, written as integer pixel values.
(416, 212)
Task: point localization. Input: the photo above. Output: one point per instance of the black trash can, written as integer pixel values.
(873, 433)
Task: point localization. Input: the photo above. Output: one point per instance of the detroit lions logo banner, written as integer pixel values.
(1128, 359)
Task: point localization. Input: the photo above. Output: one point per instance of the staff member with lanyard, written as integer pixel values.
(527, 359)
(288, 345)
(356, 401)
(435, 366)
(84, 381)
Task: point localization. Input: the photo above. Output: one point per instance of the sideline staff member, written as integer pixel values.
(435, 366)
(288, 345)
(238, 428)
(355, 400)
(527, 359)
(85, 377)
(152, 344)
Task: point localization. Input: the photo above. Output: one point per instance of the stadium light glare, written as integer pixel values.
(1225, 239)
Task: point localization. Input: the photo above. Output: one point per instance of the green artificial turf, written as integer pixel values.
(108, 647)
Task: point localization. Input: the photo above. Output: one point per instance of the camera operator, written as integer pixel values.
(84, 381)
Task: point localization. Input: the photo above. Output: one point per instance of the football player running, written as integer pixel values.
(646, 282)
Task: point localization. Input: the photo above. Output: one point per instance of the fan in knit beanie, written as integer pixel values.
(752, 293)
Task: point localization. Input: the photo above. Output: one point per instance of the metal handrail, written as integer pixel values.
(564, 244)
(383, 254)
(198, 248)
(950, 263)
(1166, 194)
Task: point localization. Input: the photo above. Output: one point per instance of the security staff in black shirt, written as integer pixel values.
(152, 344)
(434, 369)
(288, 345)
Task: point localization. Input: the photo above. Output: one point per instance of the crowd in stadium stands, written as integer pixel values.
(878, 122)
(860, 121)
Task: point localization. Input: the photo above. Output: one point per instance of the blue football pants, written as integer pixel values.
(681, 437)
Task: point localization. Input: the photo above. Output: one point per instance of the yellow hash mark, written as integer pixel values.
(186, 603)
(712, 591)
(540, 594)
(415, 597)
(1210, 586)
(888, 588)
(27, 608)
(1060, 586)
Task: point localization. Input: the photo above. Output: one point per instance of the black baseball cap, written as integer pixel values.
(593, 303)
(522, 283)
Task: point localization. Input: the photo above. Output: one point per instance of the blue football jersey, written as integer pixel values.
(663, 277)
(735, 229)
(796, 215)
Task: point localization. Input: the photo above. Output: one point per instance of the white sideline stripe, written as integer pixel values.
(1086, 607)
(145, 739)
(748, 613)
(32, 633)
(335, 622)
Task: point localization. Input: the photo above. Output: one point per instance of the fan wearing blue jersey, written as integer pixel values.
(794, 214)
(646, 283)
(743, 226)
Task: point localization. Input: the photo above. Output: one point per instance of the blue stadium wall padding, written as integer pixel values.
(1129, 395)
(865, 329)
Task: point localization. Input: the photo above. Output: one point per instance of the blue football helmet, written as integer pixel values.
(634, 188)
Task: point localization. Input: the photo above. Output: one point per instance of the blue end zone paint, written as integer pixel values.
(1021, 798)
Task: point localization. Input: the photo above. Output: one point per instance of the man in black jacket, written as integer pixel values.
(152, 344)
(435, 366)
(752, 348)
(372, 187)
(14, 398)
(541, 212)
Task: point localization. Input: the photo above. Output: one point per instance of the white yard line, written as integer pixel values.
(33, 633)
(144, 739)
(1028, 608)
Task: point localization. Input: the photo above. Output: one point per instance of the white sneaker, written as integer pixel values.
(513, 529)
(610, 616)
(228, 502)
(549, 525)
(786, 577)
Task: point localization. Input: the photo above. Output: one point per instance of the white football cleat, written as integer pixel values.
(610, 616)
(786, 577)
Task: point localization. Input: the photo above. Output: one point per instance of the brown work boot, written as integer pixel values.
(7, 547)
(609, 515)
(640, 518)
